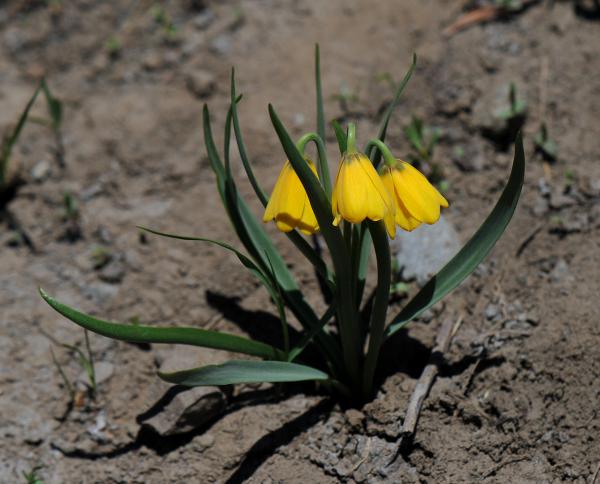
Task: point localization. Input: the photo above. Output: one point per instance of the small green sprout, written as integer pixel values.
(164, 20)
(100, 256)
(517, 106)
(113, 47)
(86, 361)
(32, 477)
(544, 144)
(8, 143)
(422, 138)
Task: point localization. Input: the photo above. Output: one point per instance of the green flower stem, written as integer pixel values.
(351, 139)
(380, 304)
(321, 204)
(324, 174)
(388, 158)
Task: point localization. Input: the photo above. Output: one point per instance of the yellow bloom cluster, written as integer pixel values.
(401, 196)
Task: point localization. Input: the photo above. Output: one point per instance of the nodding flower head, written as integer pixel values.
(359, 193)
(415, 199)
(289, 205)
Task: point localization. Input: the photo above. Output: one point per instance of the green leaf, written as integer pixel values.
(173, 335)
(349, 331)
(320, 110)
(244, 259)
(375, 155)
(9, 142)
(380, 303)
(54, 106)
(473, 252)
(242, 371)
(260, 193)
(260, 247)
(340, 136)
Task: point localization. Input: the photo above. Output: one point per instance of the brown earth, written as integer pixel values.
(517, 399)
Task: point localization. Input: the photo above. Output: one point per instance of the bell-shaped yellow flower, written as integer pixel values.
(359, 193)
(416, 200)
(289, 205)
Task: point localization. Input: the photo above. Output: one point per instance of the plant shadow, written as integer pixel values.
(260, 451)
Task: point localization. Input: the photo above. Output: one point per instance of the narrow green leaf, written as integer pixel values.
(258, 244)
(352, 347)
(242, 371)
(244, 259)
(320, 110)
(54, 106)
(175, 335)
(380, 303)
(375, 155)
(260, 193)
(473, 252)
(9, 142)
(340, 135)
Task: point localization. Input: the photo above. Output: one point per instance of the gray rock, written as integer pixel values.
(560, 272)
(204, 19)
(113, 272)
(188, 410)
(41, 171)
(221, 44)
(423, 252)
(200, 83)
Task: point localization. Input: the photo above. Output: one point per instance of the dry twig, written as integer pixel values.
(442, 343)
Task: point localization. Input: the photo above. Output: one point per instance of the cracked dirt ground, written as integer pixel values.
(516, 401)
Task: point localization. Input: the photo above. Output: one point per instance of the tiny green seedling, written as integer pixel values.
(86, 361)
(71, 217)
(100, 256)
(516, 108)
(422, 138)
(113, 47)
(32, 477)
(163, 18)
(545, 145)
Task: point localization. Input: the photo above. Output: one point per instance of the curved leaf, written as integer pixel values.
(473, 252)
(233, 372)
(244, 259)
(150, 334)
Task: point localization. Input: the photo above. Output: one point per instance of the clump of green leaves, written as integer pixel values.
(347, 352)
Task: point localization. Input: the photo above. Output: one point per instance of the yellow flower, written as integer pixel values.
(417, 201)
(289, 205)
(359, 193)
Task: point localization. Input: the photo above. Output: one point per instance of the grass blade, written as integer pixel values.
(9, 142)
(375, 155)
